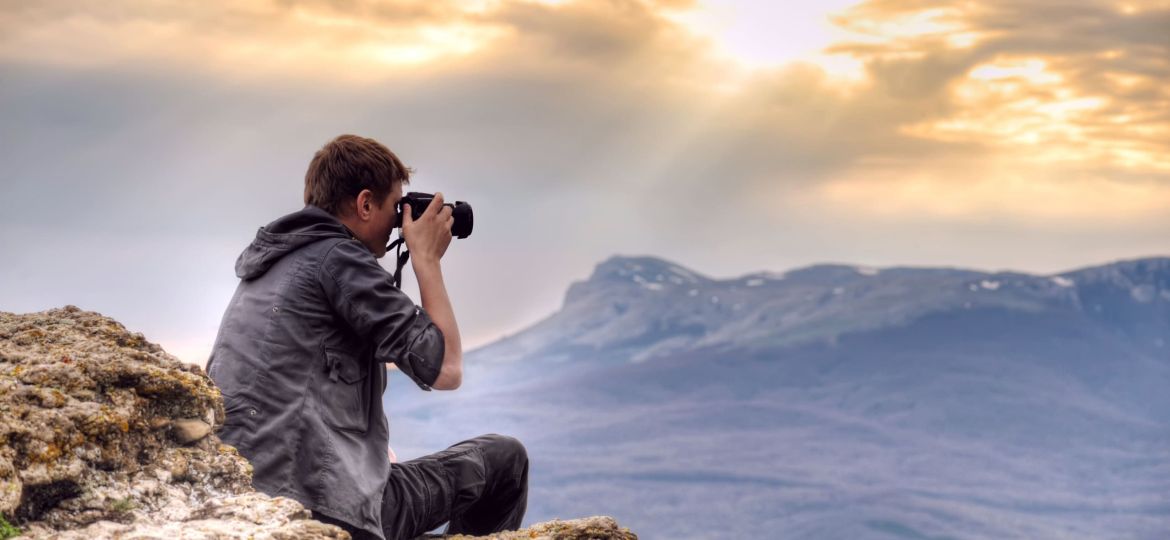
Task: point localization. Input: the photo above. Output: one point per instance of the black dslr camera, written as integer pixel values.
(461, 211)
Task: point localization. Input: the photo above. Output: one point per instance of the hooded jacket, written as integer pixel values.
(299, 359)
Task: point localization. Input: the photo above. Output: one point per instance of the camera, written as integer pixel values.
(418, 202)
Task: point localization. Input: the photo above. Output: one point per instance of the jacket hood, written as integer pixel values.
(286, 235)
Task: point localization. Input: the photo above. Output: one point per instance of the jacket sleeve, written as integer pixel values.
(361, 293)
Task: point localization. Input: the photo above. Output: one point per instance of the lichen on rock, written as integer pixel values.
(105, 435)
(590, 528)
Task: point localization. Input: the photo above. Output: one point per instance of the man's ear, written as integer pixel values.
(363, 204)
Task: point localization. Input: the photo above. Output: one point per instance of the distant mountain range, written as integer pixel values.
(643, 307)
(833, 402)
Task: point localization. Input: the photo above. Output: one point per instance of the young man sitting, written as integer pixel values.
(302, 348)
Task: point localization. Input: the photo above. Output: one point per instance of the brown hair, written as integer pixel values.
(345, 166)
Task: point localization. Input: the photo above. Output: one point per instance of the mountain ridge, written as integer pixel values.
(836, 401)
(615, 262)
(645, 306)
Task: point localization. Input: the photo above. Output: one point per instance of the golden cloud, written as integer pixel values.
(1005, 190)
(963, 110)
(352, 40)
(1080, 85)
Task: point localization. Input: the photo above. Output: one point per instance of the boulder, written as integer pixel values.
(103, 434)
(590, 528)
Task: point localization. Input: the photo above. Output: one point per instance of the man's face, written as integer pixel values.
(382, 220)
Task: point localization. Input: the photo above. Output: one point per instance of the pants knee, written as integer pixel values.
(506, 449)
(507, 443)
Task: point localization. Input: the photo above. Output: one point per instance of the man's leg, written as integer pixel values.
(480, 485)
(354, 532)
(502, 502)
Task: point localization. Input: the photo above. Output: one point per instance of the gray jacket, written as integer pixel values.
(300, 361)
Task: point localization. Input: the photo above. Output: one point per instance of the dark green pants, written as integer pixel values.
(478, 486)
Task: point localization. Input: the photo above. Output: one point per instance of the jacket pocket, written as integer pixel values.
(239, 425)
(344, 392)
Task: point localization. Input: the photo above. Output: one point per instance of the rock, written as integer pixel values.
(246, 516)
(190, 430)
(83, 449)
(105, 435)
(590, 528)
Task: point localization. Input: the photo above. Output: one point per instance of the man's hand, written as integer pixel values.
(428, 238)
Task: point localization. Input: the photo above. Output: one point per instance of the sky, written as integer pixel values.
(143, 143)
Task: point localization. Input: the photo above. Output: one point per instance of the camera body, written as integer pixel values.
(418, 202)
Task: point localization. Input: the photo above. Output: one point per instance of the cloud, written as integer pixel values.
(1035, 196)
(577, 130)
(349, 41)
(1056, 83)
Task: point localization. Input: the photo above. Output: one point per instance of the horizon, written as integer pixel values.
(1069, 270)
(509, 333)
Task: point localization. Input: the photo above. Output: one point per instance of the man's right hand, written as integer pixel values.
(428, 238)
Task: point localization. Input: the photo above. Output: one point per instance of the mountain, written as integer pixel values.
(644, 307)
(834, 401)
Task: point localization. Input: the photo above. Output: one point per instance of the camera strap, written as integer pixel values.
(402, 257)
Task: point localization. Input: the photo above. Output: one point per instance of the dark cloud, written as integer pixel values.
(606, 34)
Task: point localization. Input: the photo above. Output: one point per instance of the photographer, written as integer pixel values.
(301, 351)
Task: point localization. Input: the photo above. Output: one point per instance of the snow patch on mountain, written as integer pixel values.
(1144, 293)
(648, 284)
(683, 274)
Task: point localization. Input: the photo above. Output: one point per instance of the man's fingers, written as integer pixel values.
(436, 205)
(407, 217)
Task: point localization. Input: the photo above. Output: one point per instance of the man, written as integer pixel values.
(301, 352)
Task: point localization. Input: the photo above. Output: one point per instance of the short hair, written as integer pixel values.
(345, 166)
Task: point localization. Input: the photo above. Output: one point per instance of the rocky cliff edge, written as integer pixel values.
(105, 435)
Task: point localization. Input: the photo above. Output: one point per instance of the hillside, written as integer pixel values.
(835, 401)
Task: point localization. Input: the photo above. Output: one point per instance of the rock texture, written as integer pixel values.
(590, 528)
(105, 435)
